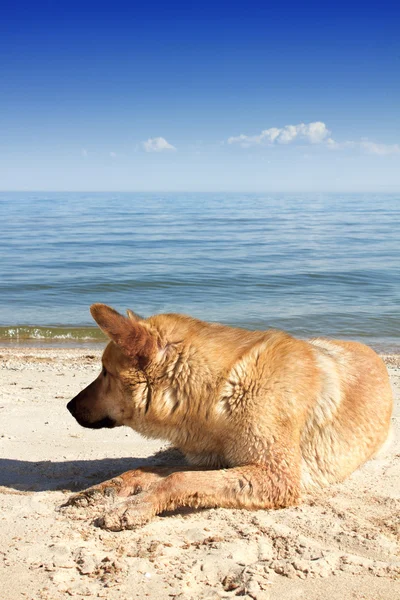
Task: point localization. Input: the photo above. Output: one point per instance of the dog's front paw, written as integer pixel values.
(128, 484)
(98, 494)
(86, 498)
(128, 515)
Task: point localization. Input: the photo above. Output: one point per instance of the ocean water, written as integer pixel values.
(312, 264)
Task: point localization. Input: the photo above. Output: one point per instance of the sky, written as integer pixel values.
(185, 96)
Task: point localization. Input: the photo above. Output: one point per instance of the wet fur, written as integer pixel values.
(272, 416)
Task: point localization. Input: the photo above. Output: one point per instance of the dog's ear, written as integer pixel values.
(133, 316)
(134, 338)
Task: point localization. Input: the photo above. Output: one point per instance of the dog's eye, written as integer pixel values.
(104, 371)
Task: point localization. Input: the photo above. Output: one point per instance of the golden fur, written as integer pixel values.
(271, 415)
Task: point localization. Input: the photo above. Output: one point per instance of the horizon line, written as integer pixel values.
(206, 191)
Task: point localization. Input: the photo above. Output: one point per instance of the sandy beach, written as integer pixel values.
(343, 544)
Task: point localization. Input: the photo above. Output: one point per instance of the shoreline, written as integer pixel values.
(16, 351)
(380, 345)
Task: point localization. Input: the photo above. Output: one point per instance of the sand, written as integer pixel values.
(344, 543)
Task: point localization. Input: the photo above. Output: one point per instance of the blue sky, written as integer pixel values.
(199, 96)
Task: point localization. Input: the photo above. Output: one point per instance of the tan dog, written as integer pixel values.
(273, 416)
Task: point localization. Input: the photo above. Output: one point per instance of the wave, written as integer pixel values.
(41, 333)
(92, 337)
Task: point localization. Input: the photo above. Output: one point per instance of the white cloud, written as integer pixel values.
(157, 144)
(113, 154)
(366, 146)
(380, 149)
(84, 152)
(312, 133)
(333, 145)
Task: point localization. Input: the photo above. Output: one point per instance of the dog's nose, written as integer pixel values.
(72, 406)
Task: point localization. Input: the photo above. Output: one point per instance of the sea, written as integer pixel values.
(312, 264)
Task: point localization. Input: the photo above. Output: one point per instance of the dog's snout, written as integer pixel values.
(86, 409)
(75, 405)
(72, 406)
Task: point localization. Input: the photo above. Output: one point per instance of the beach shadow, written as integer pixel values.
(75, 475)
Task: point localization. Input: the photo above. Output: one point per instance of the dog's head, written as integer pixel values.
(121, 394)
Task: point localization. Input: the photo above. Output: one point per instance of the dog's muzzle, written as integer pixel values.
(84, 422)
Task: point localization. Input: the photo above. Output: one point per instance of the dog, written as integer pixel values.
(261, 417)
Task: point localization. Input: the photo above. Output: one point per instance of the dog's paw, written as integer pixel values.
(128, 515)
(88, 497)
(128, 484)
(98, 494)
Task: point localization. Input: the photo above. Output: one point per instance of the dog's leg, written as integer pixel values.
(250, 487)
(124, 485)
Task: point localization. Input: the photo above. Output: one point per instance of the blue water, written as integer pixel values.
(312, 264)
